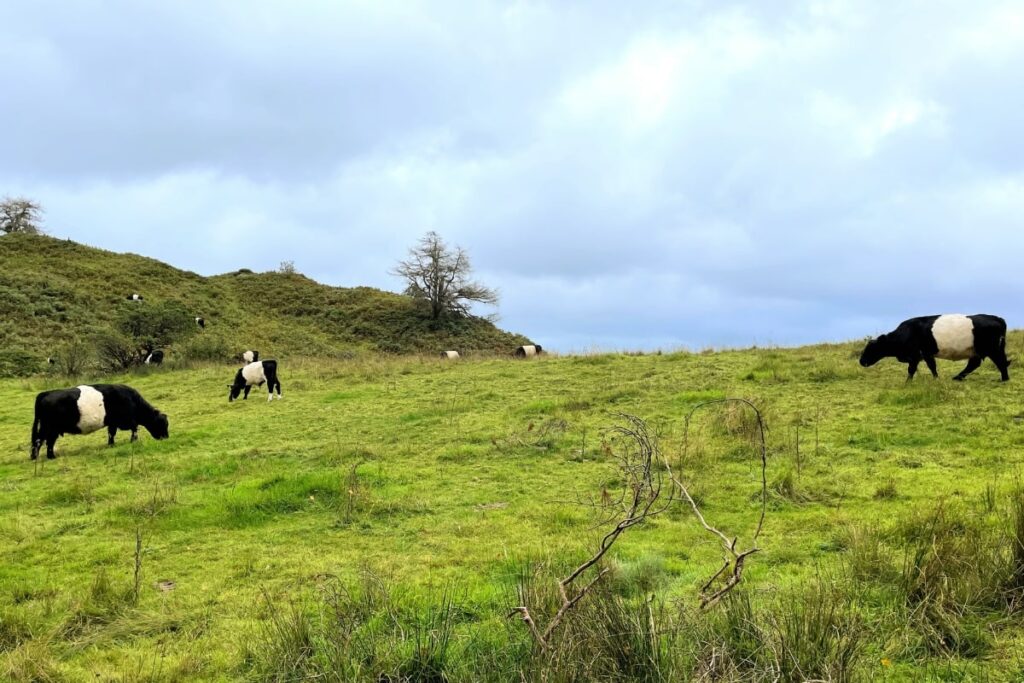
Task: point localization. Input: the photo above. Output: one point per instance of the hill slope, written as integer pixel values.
(53, 291)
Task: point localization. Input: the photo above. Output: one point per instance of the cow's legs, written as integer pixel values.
(930, 362)
(111, 432)
(999, 358)
(911, 369)
(972, 364)
(50, 440)
(36, 445)
(135, 434)
(248, 388)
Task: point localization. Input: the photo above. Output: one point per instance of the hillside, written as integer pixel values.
(53, 291)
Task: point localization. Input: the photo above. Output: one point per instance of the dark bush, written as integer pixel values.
(154, 326)
(116, 352)
(74, 357)
(207, 348)
(18, 363)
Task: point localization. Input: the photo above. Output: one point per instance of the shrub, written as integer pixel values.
(207, 348)
(116, 352)
(74, 357)
(154, 326)
(18, 363)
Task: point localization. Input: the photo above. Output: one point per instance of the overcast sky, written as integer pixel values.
(686, 174)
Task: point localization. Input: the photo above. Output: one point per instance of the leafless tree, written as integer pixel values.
(18, 214)
(440, 276)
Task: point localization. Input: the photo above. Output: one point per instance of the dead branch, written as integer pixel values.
(734, 560)
(642, 491)
(641, 498)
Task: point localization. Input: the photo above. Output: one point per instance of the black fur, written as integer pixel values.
(913, 342)
(155, 358)
(240, 384)
(57, 414)
(201, 322)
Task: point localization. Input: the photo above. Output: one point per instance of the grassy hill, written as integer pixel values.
(53, 291)
(380, 522)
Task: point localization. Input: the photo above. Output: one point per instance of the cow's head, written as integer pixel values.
(235, 389)
(159, 428)
(875, 350)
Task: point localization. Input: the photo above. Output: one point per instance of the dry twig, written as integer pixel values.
(734, 559)
(638, 502)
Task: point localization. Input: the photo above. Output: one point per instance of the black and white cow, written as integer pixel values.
(528, 350)
(250, 356)
(155, 357)
(201, 322)
(134, 297)
(255, 374)
(952, 337)
(89, 408)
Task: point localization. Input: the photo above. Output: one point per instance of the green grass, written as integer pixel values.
(54, 291)
(456, 482)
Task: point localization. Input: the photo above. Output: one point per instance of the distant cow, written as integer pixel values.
(155, 358)
(528, 350)
(201, 322)
(952, 337)
(88, 408)
(251, 356)
(255, 374)
(450, 355)
(134, 297)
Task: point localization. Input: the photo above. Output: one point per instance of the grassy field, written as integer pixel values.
(383, 516)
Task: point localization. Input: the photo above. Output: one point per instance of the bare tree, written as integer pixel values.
(440, 275)
(18, 214)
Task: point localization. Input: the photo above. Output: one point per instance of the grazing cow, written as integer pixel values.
(51, 360)
(528, 350)
(251, 356)
(450, 355)
(255, 374)
(155, 357)
(86, 409)
(134, 297)
(952, 337)
(201, 322)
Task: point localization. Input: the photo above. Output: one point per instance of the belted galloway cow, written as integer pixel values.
(89, 408)
(952, 337)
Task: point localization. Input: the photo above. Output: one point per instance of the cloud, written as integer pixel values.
(687, 174)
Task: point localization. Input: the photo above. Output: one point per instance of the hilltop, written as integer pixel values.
(53, 291)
